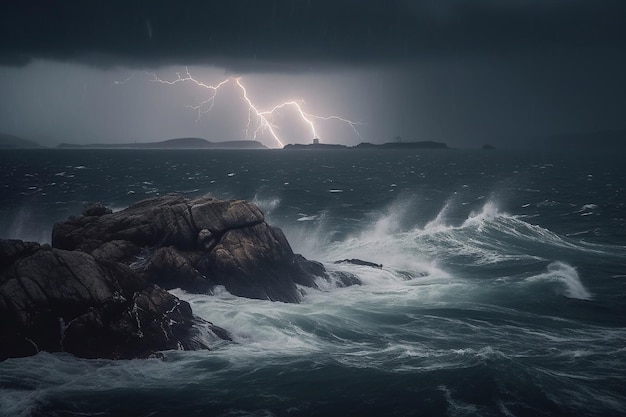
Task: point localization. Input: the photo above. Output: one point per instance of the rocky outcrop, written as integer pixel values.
(196, 245)
(100, 290)
(57, 300)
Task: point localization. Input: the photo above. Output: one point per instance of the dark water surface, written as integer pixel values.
(502, 293)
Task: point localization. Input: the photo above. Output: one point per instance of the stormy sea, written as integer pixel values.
(502, 291)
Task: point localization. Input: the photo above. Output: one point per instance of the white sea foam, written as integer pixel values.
(438, 224)
(255, 325)
(489, 212)
(385, 239)
(567, 277)
(307, 218)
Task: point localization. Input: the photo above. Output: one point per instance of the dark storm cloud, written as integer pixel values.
(284, 34)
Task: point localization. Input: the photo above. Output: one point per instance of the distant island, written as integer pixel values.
(611, 140)
(180, 143)
(366, 145)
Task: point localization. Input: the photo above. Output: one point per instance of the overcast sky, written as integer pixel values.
(459, 71)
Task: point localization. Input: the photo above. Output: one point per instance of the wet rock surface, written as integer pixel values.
(196, 245)
(57, 300)
(100, 290)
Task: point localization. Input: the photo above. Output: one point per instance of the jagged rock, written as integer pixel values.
(57, 300)
(96, 209)
(156, 222)
(255, 262)
(316, 269)
(197, 244)
(169, 268)
(219, 216)
(359, 262)
(10, 250)
(117, 251)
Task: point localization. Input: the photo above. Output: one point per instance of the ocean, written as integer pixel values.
(502, 292)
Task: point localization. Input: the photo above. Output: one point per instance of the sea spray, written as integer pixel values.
(566, 276)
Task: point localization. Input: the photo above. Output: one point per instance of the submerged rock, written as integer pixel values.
(57, 300)
(360, 262)
(196, 245)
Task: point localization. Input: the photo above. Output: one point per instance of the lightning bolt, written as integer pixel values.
(126, 80)
(259, 121)
(264, 124)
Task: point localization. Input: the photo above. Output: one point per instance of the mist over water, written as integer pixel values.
(501, 293)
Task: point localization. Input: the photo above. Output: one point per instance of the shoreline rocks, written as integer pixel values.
(196, 245)
(100, 290)
(57, 300)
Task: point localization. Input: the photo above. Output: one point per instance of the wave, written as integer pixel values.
(566, 276)
(487, 236)
(486, 254)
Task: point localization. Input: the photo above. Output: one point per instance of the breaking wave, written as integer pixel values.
(565, 275)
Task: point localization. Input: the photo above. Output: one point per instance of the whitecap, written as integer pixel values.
(438, 224)
(307, 218)
(567, 276)
(488, 212)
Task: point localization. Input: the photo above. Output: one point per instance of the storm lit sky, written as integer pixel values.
(462, 72)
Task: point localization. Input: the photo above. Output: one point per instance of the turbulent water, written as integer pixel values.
(502, 291)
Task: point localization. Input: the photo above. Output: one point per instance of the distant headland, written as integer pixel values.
(607, 140)
(366, 145)
(180, 143)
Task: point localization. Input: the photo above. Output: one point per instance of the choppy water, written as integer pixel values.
(502, 293)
